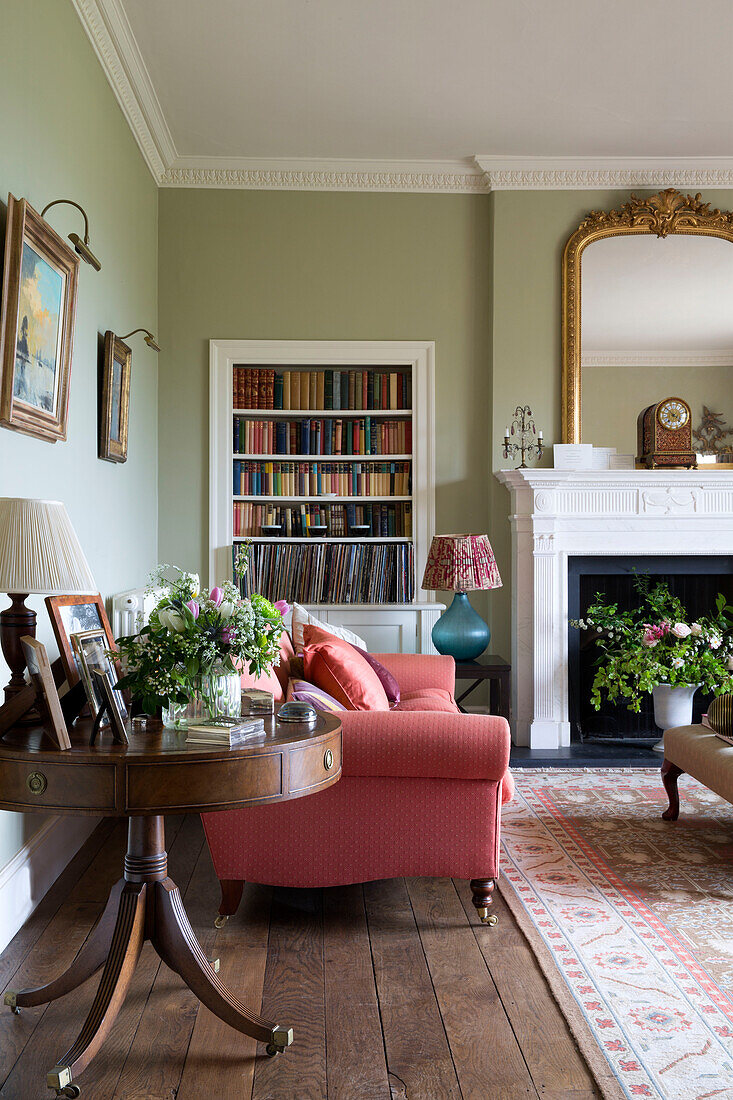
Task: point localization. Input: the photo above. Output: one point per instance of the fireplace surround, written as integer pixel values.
(556, 515)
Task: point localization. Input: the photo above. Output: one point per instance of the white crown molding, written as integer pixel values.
(601, 173)
(658, 358)
(110, 33)
(310, 174)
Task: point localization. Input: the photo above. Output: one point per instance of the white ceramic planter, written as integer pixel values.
(672, 707)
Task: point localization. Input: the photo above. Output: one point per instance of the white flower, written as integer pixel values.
(677, 662)
(172, 620)
(695, 629)
(226, 609)
(680, 630)
(715, 641)
(195, 582)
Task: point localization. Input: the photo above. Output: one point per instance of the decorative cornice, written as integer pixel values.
(603, 173)
(657, 357)
(305, 174)
(110, 34)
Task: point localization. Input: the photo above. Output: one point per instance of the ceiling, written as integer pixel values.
(422, 84)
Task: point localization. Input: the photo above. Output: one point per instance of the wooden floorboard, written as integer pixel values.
(550, 1051)
(394, 990)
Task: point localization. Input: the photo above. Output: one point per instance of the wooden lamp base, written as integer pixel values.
(15, 622)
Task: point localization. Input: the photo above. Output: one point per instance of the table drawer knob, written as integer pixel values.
(36, 782)
(328, 760)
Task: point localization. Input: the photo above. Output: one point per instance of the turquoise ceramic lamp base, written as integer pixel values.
(460, 632)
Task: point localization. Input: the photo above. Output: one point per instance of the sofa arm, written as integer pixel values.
(414, 671)
(425, 744)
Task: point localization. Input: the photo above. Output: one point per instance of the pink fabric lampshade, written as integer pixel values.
(461, 563)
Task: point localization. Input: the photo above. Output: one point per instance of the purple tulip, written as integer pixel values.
(194, 608)
(227, 635)
(216, 596)
(282, 606)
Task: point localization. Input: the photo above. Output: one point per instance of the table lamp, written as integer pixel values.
(39, 554)
(461, 564)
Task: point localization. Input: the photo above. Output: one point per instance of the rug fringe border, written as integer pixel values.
(603, 1075)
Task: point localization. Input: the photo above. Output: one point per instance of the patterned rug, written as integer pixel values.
(631, 918)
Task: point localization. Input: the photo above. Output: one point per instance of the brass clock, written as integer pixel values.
(665, 435)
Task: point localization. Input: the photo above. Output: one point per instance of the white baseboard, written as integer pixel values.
(29, 874)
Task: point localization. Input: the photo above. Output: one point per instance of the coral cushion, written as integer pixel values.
(336, 667)
(428, 699)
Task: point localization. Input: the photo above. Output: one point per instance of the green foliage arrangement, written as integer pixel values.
(194, 634)
(657, 644)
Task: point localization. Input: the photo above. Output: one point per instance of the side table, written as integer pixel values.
(156, 774)
(499, 674)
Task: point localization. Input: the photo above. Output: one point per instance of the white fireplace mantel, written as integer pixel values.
(559, 513)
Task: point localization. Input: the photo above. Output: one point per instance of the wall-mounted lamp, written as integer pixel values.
(149, 338)
(81, 246)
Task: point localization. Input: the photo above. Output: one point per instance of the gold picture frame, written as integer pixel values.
(37, 313)
(114, 406)
(667, 212)
(90, 647)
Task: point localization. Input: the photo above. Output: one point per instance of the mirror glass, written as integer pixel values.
(656, 322)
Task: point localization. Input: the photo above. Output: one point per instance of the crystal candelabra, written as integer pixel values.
(523, 427)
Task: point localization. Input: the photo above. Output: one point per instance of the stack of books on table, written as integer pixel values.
(225, 731)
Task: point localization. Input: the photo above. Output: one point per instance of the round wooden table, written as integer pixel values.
(157, 773)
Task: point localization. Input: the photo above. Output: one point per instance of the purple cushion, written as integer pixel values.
(387, 680)
(303, 692)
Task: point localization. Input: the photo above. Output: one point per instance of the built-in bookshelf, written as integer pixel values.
(322, 469)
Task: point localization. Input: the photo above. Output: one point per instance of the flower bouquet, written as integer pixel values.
(656, 644)
(196, 645)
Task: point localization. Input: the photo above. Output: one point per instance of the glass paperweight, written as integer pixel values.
(297, 712)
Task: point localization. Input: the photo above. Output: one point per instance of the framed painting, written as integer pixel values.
(114, 408)
(37, 312)
(75, 615)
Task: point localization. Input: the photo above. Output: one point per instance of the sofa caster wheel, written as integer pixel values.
(71, 1091)
(15, 1010)
(271, 1050)
(9, 1000)
(487, 917)
(221, 920)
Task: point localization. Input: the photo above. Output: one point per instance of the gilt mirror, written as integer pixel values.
(647, 293)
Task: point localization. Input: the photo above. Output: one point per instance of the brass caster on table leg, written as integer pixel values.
(486, 917)
(220, 920)
(9, 1000)
(69, 1090)
(280, 1038)
(215, 965)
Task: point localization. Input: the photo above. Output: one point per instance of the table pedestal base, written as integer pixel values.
(144, 905)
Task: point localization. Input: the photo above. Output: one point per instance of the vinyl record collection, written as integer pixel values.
(330, 572)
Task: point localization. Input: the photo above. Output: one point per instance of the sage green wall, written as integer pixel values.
(295, 265)
(529, 231)
(62, 135)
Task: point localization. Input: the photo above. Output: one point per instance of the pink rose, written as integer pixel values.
(216, 596)
(194, 608)
(282, 606)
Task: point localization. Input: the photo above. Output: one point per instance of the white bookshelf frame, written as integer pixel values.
(418, 356)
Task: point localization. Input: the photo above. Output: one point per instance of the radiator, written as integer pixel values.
(131, 610)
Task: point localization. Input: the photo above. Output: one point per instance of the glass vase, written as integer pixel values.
(214, 696)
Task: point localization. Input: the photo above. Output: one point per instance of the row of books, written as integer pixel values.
(323, 520)
(266, 388)
(288, 479)
(331, 572)
(357, 436)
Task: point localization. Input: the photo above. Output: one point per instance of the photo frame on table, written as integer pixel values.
(119, 732)
(74, 615)
(114, 403)
(90, 647)
(47, 696)
(37, 314)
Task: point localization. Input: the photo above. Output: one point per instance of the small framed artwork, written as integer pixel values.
(37, 311)
(73, 615)
(119, 733)
(114, 407)
(90, 647)
(47, 696)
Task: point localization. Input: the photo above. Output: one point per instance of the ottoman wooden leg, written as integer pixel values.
(670, 775)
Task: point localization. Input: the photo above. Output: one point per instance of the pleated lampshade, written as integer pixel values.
(461, 563)
(39, 550)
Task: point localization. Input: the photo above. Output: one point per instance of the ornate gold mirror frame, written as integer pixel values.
(667, 212)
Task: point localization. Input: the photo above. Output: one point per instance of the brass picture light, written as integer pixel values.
(81, 246)
(149, 338)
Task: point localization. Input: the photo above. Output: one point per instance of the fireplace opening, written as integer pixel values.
(695, 580)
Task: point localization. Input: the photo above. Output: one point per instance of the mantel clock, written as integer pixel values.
(665, 435)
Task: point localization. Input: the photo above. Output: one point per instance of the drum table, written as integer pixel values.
(156, 774)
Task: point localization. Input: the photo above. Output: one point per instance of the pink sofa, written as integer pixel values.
(421, 792)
